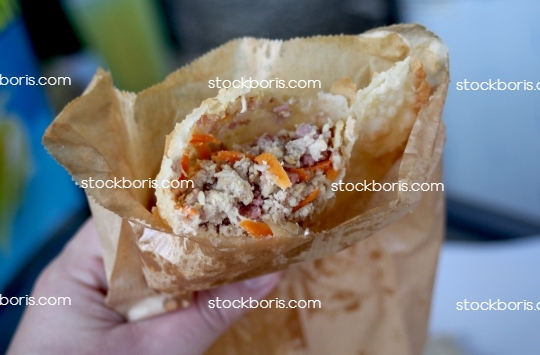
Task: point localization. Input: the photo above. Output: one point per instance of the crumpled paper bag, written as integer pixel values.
(108, 133)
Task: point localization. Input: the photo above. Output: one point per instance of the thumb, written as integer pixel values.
(217, 307)
(190, 331)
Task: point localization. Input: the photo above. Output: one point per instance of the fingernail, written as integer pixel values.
(263, 281)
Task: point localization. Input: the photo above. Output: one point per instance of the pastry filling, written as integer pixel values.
(274, 180)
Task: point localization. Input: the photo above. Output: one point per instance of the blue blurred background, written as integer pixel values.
(492, 158)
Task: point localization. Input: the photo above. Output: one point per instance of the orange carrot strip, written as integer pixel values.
(303, 174)
(204, 138)
(226, 156)
(309, 198)
(203, 150)
(256, 229)
(323, 165)
(185, 162)
(276, 169)
(331, 174)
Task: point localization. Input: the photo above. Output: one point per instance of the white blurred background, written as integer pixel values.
(492, 155)
(492, 160)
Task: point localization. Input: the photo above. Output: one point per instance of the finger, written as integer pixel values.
(82, 258)
(216, 308)
(192, 330)
(78, 273)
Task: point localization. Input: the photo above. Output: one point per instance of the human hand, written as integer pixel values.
(89, 326)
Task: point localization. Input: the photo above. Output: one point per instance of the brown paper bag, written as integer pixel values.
(375, 296)
(380, 296)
